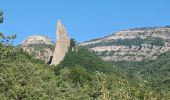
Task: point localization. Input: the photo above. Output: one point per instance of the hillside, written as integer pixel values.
(153, 73)
(131, 64)
(39, 46)
(81, 75)
(23, 77)
(132, 45)
(128, 45)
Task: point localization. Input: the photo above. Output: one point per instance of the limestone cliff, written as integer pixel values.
(37, 39)
(39, 46)
(132, 45)
(62, 44)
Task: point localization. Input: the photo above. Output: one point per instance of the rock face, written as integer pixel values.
(40, 47)
(37, 39)
(132, 45)
(62, 44)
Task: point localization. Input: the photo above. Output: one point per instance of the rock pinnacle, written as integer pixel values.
(62, 44)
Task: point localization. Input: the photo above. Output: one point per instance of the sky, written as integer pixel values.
(83, 19)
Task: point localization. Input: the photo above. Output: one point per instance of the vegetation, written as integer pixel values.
(80, 76)
(72, 43)
(39, 51)
(1, 17)
(5, 40)
(83, 77)
(39, 47)
(130, 42)
(86, 59)
(152, 73)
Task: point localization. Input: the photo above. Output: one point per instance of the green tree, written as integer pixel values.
(11, 38)
(1, 17)
(1, 34)
(72, 44)
(5, 40)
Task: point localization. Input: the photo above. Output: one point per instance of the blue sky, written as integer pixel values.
(83, 19)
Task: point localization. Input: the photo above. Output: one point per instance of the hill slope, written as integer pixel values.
(39, 46)
(83, 77)
(132, 45)
(153, 73)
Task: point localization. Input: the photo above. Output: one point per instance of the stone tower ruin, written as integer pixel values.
(62, 44)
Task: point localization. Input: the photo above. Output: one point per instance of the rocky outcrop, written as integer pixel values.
(40, 47)
(132, 44)
(37, 39)
(62, 44)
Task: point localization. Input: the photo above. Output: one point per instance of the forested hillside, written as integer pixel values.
(152, 73)
(85, 76)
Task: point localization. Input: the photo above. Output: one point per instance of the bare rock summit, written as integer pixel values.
(37, 39)
(39, 46)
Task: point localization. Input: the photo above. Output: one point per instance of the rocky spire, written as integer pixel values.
(59, 24)
(62, 44)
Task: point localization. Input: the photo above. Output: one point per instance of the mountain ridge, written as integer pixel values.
(137, 28)
(82, 75)
(132, 44)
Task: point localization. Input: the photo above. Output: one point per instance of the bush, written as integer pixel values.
(85, 59)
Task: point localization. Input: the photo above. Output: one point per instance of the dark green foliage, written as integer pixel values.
(130, 42)
(86, 59)
(39, 47)
(23, 77)
(1, 17)
(79, 75)
(127, 42)
(158, 73)
(155, 74)
(104, 53)
(72, 43)
(155, 41)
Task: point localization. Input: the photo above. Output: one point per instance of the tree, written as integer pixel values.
(1, 34)
(72, 44)
(11, 38)
(1, 17)
(5, 40)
